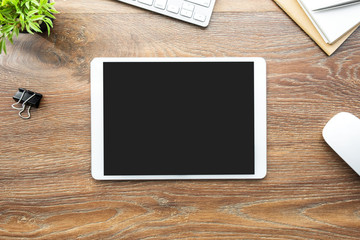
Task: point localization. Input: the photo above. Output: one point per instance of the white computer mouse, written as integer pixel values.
(342, 133)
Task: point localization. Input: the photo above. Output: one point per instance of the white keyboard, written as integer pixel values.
(197, 12)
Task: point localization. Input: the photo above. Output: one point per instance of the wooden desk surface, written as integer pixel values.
(46, 190)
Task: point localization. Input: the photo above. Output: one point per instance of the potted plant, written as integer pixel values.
(27, 16)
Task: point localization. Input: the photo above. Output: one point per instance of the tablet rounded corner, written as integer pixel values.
(95, 60)
(95, 175)
(261, 60)
(263, 175)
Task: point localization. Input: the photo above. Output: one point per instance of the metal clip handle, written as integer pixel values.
(23, 106)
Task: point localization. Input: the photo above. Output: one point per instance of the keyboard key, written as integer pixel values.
(173, 8)
(188, 6)
(199, 17)
(160, 4)
(147, 2)
(204, 3)
(186, 13)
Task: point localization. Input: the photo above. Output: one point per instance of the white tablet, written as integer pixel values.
(178, 118)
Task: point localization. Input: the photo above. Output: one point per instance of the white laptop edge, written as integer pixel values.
(97, 123)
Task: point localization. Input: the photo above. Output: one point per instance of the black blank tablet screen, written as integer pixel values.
(175, 118)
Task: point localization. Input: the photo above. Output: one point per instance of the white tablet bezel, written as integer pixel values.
(97, 124)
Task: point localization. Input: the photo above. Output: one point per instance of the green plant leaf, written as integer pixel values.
(37, 18)
(22, 21)
(35, 2)
(28, 29)
(2, 18)
(32, 12)
(24, 15)
(4, 2)
(7, 28)
(16, 30)
(48, 29)
(53, 11)
(48, 21)
(10, 37)
(49, 15)
(43, 2)
(3, 45)
(35, 26)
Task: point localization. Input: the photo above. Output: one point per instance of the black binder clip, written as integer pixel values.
(27, 98)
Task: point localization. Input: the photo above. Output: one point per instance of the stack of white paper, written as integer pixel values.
(331, 23)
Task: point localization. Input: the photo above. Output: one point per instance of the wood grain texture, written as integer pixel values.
(46, 190)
